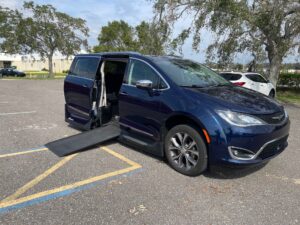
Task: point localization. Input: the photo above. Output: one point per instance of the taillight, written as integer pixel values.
(239, 83)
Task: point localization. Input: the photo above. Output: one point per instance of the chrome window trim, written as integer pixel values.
(163, 89)
(256, 154)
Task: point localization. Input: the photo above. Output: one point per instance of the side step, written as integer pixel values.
(84, 140)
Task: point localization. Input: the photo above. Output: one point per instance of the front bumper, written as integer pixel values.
(265, 142)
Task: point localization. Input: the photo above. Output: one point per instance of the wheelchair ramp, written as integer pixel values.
(84, 140)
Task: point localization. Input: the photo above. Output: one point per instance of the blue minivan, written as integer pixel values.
(175, 108)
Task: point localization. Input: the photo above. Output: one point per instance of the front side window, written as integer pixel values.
(85, 67)
(140, 71)
(187, 73)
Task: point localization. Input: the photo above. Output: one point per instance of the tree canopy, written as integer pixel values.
(9, 21)
(152, 38)
(116, 36)
(148, 38)
(45, 32)
(264, 28)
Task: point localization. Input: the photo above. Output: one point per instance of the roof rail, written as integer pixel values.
(175, 56)
(122, 52)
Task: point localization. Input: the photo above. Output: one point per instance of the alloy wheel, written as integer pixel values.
(183, 150)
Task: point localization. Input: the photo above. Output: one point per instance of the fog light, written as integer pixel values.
(241, 153)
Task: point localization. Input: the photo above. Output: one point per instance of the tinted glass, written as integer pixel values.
(86, 67)
(141, 71)
(162, 84)
(231, 76)
(256, 78)
(188, 73)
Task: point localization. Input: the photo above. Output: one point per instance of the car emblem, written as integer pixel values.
(277, 117)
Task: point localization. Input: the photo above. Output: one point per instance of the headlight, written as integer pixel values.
(239, 119)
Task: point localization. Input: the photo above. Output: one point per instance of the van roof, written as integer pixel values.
(128, 53)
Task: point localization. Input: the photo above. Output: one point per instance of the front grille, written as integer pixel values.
(274, 118)
(274, 148)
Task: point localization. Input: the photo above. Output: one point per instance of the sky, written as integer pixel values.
(98, 13)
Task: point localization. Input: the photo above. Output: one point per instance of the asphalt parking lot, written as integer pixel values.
(114, 184)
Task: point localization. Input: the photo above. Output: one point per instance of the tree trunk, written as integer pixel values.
(274, 70)
(50, 63)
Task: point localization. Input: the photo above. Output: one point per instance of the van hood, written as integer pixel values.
(236, 98)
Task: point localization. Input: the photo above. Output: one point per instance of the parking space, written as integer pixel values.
(115, 184)
(61, 177)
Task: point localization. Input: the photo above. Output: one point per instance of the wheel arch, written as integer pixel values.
(181, 118)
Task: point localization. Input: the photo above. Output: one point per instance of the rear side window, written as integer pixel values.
(85, 67)
(231, 76)
(256, 78)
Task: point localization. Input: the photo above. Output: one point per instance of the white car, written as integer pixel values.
(253, 81)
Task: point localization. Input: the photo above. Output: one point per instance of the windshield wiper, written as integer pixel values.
(219, 85)
(192, 86)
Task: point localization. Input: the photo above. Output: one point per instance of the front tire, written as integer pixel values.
(185, 150)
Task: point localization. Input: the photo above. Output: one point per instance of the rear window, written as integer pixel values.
(231, 76)
(256, 78)
(85, 67)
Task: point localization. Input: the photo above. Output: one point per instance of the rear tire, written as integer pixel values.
(272, 93)
(185, 150)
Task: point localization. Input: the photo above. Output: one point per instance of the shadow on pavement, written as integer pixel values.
(231, 173)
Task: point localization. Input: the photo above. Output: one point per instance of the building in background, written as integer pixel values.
(34, 62)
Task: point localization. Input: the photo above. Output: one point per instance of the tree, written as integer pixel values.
(116, 36)
(47, 31)
(9, 21)
(152, 38)
(264, 28)
(147, 38)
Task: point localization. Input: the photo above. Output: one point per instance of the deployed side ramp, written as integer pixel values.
(84, 140)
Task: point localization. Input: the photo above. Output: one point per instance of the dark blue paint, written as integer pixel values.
(148, 113)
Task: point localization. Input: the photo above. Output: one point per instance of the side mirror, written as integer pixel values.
(144, 84)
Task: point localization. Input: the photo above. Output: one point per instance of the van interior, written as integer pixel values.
(112, 73)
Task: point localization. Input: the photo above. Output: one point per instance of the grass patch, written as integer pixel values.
(42, 74)
(289, 96)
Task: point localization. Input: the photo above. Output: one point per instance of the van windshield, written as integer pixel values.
(186, 73)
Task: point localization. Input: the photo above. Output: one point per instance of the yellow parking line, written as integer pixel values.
(23, 152)
(121, 157)
(38, 179)
(67, 187)
(133, 166)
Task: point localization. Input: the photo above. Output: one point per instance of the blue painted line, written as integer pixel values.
(65, 192)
